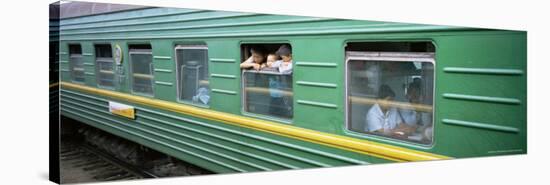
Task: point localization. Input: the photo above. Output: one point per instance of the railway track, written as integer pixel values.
(81, 162)
(88, 154)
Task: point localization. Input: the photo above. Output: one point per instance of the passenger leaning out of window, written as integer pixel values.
(256, 60)
(284, 65)
(385, 119)
(280, 104)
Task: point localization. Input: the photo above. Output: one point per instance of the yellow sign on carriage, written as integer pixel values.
(122, 110)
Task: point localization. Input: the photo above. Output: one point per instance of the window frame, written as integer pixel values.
(261, 116)
(97, 71)
(191, 46)
(131, 72)
(81, 56)
(428, 57)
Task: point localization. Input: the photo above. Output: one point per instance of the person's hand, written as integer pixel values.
(404, 129)
(256, 66)
(398, 134)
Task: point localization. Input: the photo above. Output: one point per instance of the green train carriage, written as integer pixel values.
(475, 83)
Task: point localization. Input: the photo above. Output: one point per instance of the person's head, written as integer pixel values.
(271, 57)
(258, 54)
(417, 80)
(285, 52)
(385, 95)
(413, 91)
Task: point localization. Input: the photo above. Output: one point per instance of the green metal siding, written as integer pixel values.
(482, 96)
(224, 61)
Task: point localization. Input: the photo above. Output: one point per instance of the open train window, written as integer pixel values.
(192, 74)
(267, 80)
(76, 64)
(141, 69)
(389, 93)
(104, 66)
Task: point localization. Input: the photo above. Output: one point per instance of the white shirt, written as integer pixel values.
(377, 120)
(414, 118)
(282, 68)
(410, 117)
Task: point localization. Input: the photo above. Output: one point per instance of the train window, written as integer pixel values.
(104, 66)
(391, 46)
(267, 80)
(192, 73)
(76, 63)
(141, 69)
(390, 94)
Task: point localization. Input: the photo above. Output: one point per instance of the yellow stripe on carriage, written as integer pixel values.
(54, 84)
(346, 143)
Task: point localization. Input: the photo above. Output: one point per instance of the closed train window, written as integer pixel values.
(141, 69)
(267, 80)
(192, 74)
(390, 94)
(76, 63)
(104, 66)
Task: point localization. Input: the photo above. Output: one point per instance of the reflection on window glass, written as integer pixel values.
(104, 66)
(76, 63)
(141, 70)
(391, 98)
(192, 74)
(268, 93)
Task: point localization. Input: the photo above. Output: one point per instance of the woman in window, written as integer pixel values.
(257, 60)
(384, 119)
